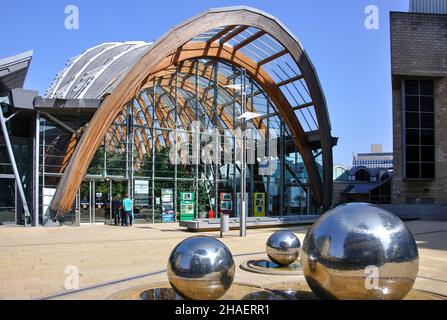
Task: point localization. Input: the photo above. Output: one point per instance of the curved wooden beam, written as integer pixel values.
(227, 54)
(179, 36)
(204, 72)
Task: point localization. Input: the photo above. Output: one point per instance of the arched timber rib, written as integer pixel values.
(141, 72)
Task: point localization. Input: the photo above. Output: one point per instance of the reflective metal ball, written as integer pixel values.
(201, 268)
(283, 248)
(360, 251)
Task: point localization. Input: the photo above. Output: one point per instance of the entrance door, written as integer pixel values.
(7, 201)
(86, 200)
(101, 205)
(95, 201)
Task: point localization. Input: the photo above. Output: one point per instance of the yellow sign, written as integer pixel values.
(259, 204)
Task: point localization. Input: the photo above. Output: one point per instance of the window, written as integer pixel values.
(428, 201)
(419, 124)
(410, 201)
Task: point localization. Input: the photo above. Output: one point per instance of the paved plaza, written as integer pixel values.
(111, 259)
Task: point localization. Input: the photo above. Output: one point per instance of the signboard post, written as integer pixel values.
(259, 204)
(167, 205)
(226, 203)
(141, 187)
(142, 199)
(187, 201)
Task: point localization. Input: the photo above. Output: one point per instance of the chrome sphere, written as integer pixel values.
(201, 268)
(283, 248)
(360, 251)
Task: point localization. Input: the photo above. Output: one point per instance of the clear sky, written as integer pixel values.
(353, 63)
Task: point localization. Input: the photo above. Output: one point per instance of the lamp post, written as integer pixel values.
(243, 119)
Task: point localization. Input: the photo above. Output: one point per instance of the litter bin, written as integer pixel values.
(225, 223)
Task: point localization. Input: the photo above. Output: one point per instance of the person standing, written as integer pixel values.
(127, 208)
(116, 208)
(123, 216)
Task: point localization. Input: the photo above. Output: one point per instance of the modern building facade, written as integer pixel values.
(419, 69)
(20, 126)
(141, 118)
(375, 159)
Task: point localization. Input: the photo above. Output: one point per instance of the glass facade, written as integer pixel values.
(150, 148)
(11, 210)
(419, 124)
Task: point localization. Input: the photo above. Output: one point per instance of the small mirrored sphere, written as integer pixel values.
(283, 248)
(201, 268)
(360, 251)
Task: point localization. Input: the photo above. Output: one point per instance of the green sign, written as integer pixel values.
(187, 202)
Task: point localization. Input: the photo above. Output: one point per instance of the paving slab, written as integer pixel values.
(36, 262)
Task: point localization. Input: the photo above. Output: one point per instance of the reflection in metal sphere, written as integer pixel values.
(359, 251)
(283, 248)
(201, 268)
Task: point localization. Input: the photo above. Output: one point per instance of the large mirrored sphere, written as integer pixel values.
(283, 248)
(360, 251)
(201, 268)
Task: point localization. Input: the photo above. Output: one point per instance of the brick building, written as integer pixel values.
(419, 70)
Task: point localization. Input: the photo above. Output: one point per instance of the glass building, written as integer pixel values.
(161, 120)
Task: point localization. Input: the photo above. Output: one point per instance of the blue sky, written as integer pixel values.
(353, 63)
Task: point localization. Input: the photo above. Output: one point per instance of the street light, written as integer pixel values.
(246, 116)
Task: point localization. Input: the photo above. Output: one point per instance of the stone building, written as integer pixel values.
(419, 69)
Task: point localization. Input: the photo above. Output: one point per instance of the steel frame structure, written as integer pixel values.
(171, 72)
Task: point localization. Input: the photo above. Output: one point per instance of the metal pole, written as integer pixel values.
(153, 152)
(90, 190)
(175, 141)
(268, 152)
(111, 201)
(243, 231)
(132, 149)
(281, 176)
(251, 199)
(94, 202)
(197, 155)
(234, 146)
(14, 168)
(78, 208)
(216, 138)
(127, 147)
(45, 215)
(36, 171)
(243, 222)
(105, 158)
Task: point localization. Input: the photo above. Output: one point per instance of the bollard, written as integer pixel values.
(224, 223)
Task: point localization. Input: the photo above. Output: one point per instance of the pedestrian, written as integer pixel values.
(116, 209)
(127, 208)
(123, 217)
